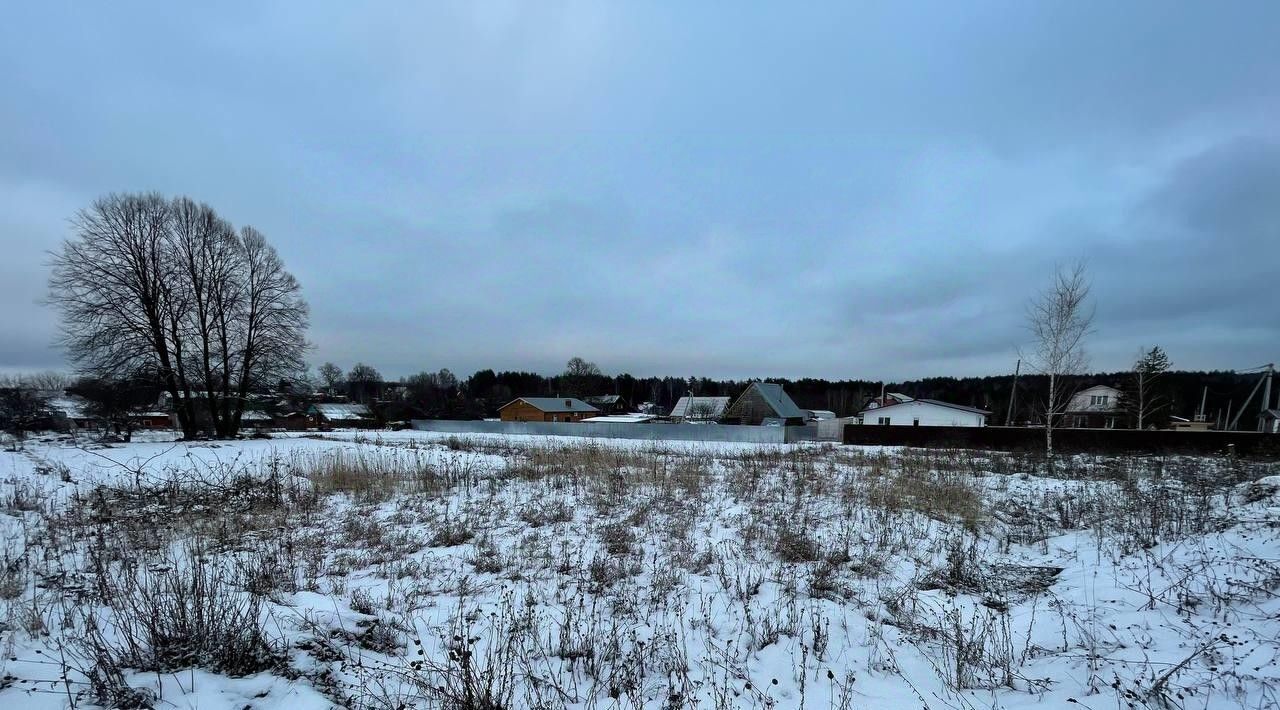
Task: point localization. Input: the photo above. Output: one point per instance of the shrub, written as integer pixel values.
(181, 614)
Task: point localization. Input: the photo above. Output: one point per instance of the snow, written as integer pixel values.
(621, 418)
(686, 573)
(338, 412)
(70, 407)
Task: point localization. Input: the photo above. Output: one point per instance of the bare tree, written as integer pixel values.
(49, 381)
(114, 401)
(23, 407)
(700, 409)
(331, 374)
(167, 286)
(364, 382)
(579, 375)
(1059, 319)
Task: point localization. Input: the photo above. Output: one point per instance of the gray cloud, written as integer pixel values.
(833, 191)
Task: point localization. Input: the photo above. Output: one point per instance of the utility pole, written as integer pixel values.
(1266, 396)
(1013, 394)
(1266, 378)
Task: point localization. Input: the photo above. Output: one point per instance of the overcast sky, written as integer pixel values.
(728, 189)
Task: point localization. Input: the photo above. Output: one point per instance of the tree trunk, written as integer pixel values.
(1048, 419)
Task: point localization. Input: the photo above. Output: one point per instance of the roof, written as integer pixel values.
(778, 400)
(553, 404)
(70, 407)
(1109, 388)
(886, 400)
(621, 419)
(334, 410)
(822, 414)
(252, 415)
(936, 402)
(709, 406)
(961, 407)
(604, 399)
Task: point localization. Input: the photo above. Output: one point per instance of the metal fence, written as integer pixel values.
(1068, 440)
(729, 433)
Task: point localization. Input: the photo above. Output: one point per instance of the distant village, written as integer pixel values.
(761, 404)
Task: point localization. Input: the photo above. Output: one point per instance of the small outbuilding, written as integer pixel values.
(329, 415)
(292, 421)
(256, 420)
(699, 409)
(154, 419)
(546, 409)
(72, 413)
(609, 403)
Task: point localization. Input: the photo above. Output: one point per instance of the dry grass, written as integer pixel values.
(578, 545)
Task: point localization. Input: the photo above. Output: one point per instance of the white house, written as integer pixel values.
(1096, 407)
(924, 412)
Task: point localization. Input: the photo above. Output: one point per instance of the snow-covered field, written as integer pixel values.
(386, 570)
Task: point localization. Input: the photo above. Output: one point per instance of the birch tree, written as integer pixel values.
(1059, 319)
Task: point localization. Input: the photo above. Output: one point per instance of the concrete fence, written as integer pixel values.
(612, 430)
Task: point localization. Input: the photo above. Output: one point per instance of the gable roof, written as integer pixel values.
(70, 406)
(712, 407)
(336, 411)
(553, 405)
(961, 407)
(603, 399)
(778, 400)
(937, 402)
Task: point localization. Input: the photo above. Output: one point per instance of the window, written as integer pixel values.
(883, 420)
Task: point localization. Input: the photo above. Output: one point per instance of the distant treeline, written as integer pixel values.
(486, 390)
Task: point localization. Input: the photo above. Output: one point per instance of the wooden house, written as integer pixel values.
(609, 403)
(546, 409)
(765, 402)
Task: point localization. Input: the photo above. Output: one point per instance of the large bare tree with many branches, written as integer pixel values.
(149, 284)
